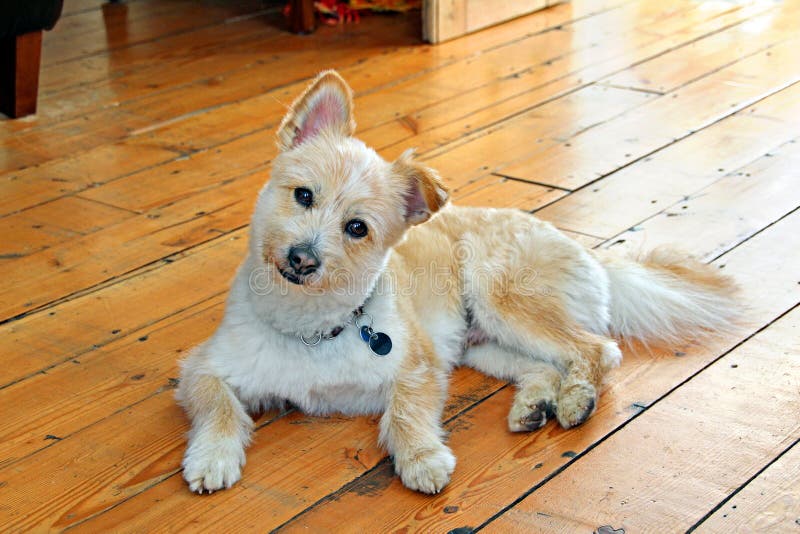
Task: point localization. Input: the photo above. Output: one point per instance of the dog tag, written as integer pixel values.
(379, 343)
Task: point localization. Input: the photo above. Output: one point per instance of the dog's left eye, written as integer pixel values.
(304, 196)
(356, 228)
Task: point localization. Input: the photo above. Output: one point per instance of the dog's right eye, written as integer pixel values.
(304, 196)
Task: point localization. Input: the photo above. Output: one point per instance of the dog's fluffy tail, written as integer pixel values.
(665, 297)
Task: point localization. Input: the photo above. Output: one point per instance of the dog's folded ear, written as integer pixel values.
(424, 194)
(326, 105)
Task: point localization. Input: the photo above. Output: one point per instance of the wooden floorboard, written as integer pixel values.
(124, 206)
(768, 503)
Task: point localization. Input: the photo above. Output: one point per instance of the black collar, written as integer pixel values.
(319, 336)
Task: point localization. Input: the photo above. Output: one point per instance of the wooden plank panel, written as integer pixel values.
(522, 83)
(769, 503)
(153, 191)
(600, 151)
(87, 323)
(155, 446)
(487, 477)
(117, 68)
(143, 184)
(41, 278)
(518, 137)
(626, 43)
(210, 54)
(132, 68)
(650, 473)
(116, 122)
(236, 65)
(667, 72)
(555, 16)
(253, 75)
(407, 95)
(20, 189)
(182, 178)
(99, 383)
(91, 23)
(682, 169)
(41, 227)
(730, 209)
(499, 192)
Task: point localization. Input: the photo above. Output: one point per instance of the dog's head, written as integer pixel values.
(333, 207)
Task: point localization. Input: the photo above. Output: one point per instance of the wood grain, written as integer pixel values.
(98, 257)
(759, 193)
(567, 164)
(769, 503)
(687, 167)
(667, 72)
(27, 187)
(43, 226)
(85, 323)
(96, 384)
(499, 192)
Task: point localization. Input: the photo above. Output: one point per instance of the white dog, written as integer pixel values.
(347, 303)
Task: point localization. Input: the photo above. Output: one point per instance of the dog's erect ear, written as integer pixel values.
(424, 193)
(327, 104)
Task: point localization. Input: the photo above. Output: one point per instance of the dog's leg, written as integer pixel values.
(537, 382)
(588, 357)
(411, 428)
(220, 430)
(540, 327)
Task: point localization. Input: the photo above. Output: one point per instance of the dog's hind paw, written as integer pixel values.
(211, 467)
(427, 471)
(576, 403)
(529, 416)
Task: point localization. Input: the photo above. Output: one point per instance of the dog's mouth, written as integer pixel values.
(293, 278)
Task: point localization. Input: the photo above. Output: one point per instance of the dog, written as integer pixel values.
(364, 286)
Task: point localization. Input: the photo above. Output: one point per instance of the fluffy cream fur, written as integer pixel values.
(495, 289)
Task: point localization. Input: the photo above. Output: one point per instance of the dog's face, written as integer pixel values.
(333, 208)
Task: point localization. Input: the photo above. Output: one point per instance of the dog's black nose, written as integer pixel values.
(303, 259)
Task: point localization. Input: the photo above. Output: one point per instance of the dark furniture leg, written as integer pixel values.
(19, 73)
(301, 18)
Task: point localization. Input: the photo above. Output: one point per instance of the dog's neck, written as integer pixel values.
(295, 313)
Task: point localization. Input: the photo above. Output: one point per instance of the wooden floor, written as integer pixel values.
(124, 207)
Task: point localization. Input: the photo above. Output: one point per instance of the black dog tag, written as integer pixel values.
(379, 343)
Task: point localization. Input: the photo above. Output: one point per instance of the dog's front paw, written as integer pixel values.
(428, 470)
(212, 466)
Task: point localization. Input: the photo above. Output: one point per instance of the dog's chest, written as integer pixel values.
(338, 375)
